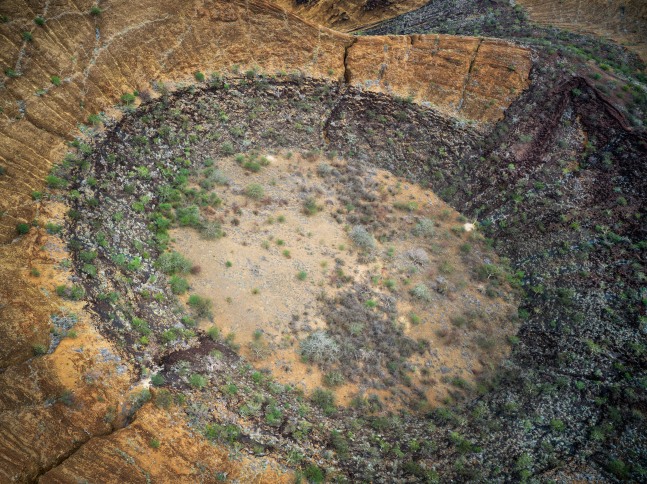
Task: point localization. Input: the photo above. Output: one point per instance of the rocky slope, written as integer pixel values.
(623, 21)
(348, 15)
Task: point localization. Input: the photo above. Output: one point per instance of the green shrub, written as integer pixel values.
(55, 80)
(339, 443)
(170, 335)
(27, 36)
(188, 216)
(55, 182)
(201, 306)
(199, 76)
(173, 263)
(254, 191)
(362, 238)
(40, 21)
(178, 284)
(95, 11)
(73, 293)
(128, 98)
(227, 148)
(90, 270)
(618, 468)
(39, 350)
(140, 326)
(406, 206)
(158, 379)
(198, 381)
(310, 206)
(222, 433)
(87, 255)
(134, 264)
(163, 399)
(314, 474)
(557, 425)
(11, 73)
(53, 228)
(213, 333)
(325, 400)
(252, 166)
(273, 415)
(23, 228)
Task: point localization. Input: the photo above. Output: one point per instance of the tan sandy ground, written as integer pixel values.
(261, 290)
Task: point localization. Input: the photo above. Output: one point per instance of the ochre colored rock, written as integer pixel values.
(624, 21)
(349, 15)
(50, 405)
(24, 309)
(128, 456)
(466, 77)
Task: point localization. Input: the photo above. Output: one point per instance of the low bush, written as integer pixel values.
(211, 231)
(178, 284)
(73, 293)
(319, 347)
(325, 400)
(173, 263)
(197, 381)
(201, 306)
(23, 228)
(255, 191)
(425, 228)
(421, 292)
(362, 238)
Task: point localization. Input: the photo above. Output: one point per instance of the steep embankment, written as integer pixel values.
(624, 21)
(348, 15)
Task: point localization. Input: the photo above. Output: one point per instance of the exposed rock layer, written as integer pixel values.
(98, 58)
(624, 21)
(349, 15)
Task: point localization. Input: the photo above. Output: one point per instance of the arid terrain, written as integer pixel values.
(244, 244)
(278, 272)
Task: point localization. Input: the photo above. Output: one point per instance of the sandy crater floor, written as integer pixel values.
(276, 269)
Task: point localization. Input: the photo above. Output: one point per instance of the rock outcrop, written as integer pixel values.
(624, 21)
(471, 78)
(349, 15)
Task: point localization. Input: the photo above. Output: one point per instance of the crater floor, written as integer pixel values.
(278, 272)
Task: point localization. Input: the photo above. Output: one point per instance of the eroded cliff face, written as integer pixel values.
(624, 21)
(349, 15)
(158, 447)
(471, 78)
